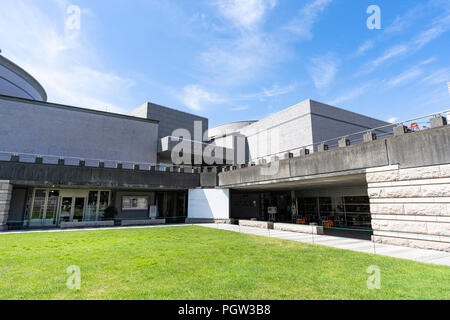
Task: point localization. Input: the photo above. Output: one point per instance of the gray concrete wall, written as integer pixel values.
(169, 119)
(360, 156)
(49, 129)
(329, 122)
(303, 125)
(18, 205)
(286, 130)
(46, 174)
(424, 148)
(5, 201)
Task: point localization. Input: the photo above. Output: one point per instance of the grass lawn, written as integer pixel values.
(199, 263)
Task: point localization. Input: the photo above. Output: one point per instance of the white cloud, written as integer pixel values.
(240, 59)
(392, 120)
(197, 98)
(323, 70)
(245, 14)
(308, 16)
(365, 46)
(242, 108)
(438, 77)
(62, 61)
(438, 27)
(405, 77)
(275, 91)
(351, 95)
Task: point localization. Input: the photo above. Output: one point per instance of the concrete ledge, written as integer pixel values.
(145, 222)
(199, 220)
(300, 228)
(413, 243)
(256, 224)
(86, 224)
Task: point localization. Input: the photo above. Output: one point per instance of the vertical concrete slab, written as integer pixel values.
(5, 201)
(209, 204)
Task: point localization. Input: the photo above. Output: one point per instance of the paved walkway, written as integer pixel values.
(420, 255)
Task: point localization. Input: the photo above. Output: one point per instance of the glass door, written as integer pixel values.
(43, 208)
(73, 206)
(78, 209)
(66, 209)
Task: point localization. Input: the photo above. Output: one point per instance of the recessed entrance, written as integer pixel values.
(48, 208)
(73, 206)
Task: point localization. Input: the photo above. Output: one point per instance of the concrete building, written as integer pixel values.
(310, 168)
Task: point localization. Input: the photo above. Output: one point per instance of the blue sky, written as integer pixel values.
(235, 60)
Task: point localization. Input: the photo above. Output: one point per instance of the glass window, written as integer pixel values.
(134, 203)
(52, 207)
(104, 203)
(38, 207)
(91, 211)
(78, 211)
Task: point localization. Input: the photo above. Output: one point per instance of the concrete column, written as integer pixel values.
(5, 199)
(322, 147)
(304, 152)
(369, 136)
(343, 143)
(399, 130)
(438, 122)
(288, 155)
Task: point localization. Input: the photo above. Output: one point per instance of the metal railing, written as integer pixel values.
(415, 124)
(91, 162)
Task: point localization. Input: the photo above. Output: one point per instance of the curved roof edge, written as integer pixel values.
(28, 77)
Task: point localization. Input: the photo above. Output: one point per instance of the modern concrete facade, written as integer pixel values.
(301, 126)
(170, 120)
(42, 128)
(311, 168)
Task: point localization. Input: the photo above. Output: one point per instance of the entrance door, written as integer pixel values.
(43, 208)
(73, 206)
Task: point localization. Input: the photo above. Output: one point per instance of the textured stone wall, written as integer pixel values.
(411, 207)
(5, 199)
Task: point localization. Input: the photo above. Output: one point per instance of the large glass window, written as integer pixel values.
(91, 210)
(103, 204)
(38, 208)
(78, 211)
(52, 207)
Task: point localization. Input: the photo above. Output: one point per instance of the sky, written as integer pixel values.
(232, 60)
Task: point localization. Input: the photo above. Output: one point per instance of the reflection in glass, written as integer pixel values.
(52, 208)
(78, 210)
(104, 203)
(38, 208)
(91, 211)
(66, 209)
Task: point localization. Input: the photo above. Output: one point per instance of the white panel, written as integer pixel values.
(209, 204)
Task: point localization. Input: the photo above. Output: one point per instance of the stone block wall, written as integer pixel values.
(411, 207)
(5, 199)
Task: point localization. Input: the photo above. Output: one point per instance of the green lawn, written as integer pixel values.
(200, 263)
